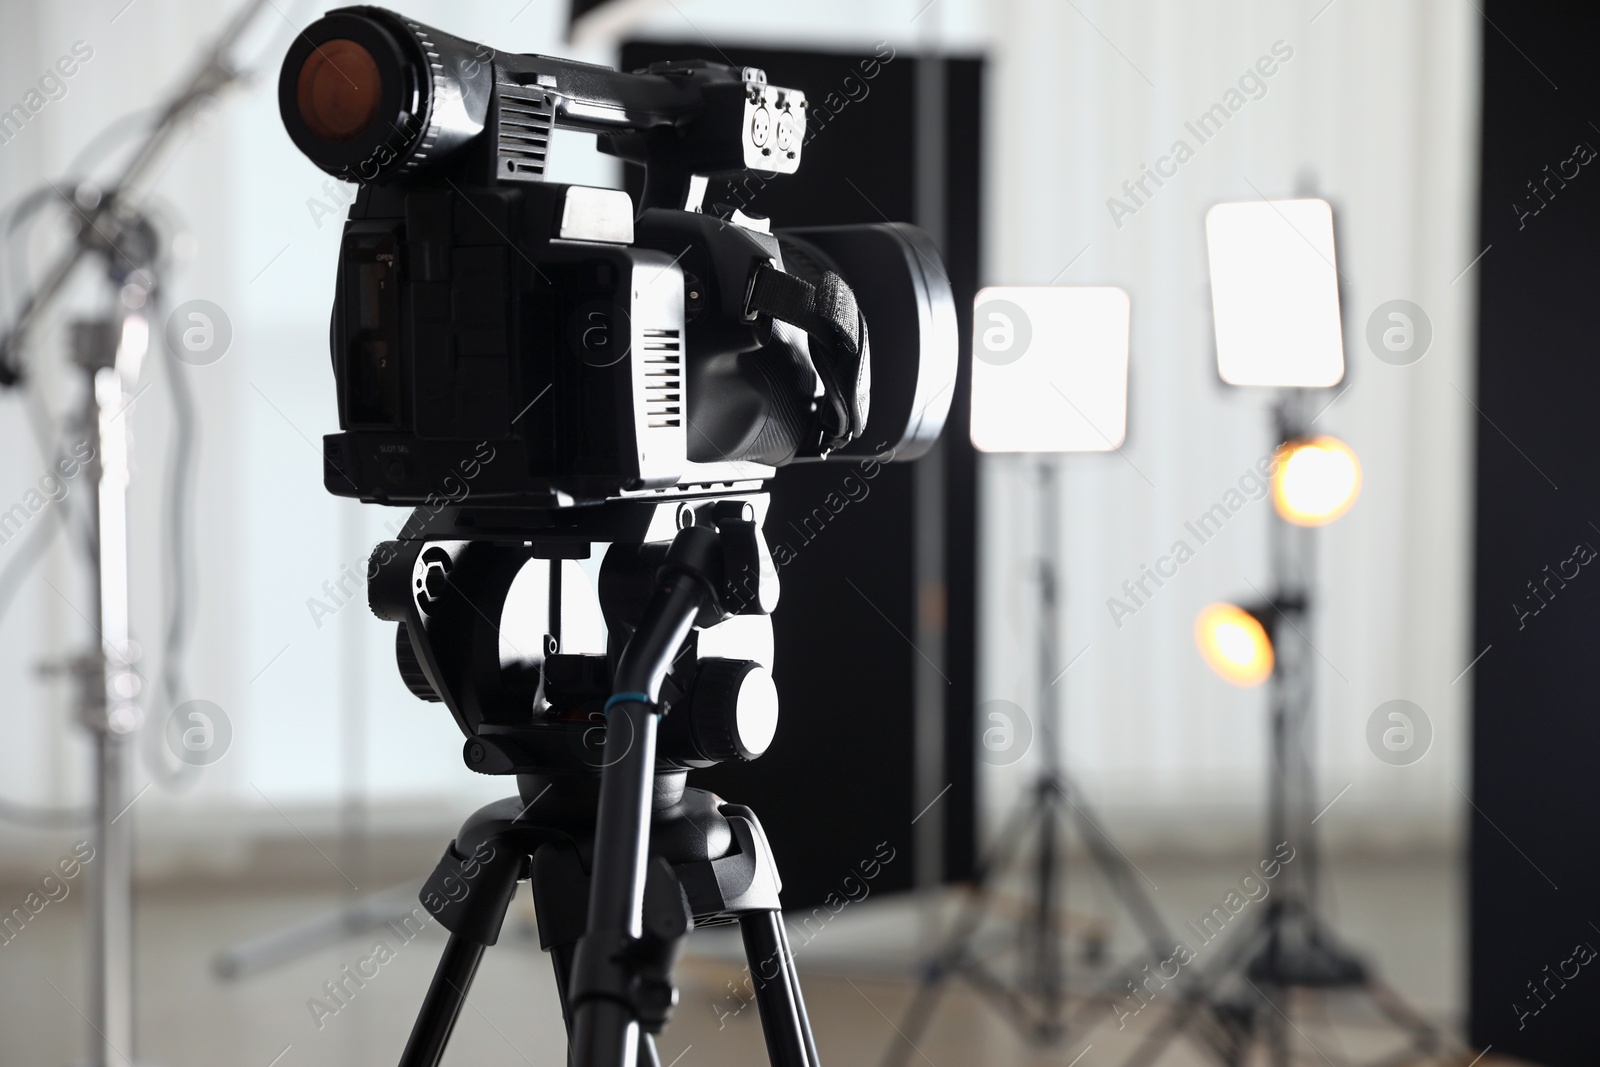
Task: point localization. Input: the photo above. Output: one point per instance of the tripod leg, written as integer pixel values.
(442, 1006)
(794, 983)
(467, 893)
(561, 963)
(783, 1012)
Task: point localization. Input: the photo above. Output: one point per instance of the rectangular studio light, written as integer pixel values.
(1275, 293)
(1049, 369)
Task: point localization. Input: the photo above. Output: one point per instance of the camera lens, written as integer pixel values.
(339, 90)
(369, 96)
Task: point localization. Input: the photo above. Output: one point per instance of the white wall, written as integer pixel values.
(268, 537)
(1378, 103)
(1377, 110)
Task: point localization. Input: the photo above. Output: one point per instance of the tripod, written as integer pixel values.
(1036, 1005)
(623, 858)
(1244, 995)
(710, 864)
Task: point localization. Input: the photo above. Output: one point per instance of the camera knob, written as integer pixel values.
(734, 709)
(411, 672)
(389, 579)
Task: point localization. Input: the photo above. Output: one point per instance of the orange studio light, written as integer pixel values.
(1234, 643)
(1317, 480)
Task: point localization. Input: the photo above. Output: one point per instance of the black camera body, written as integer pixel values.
(564, 346)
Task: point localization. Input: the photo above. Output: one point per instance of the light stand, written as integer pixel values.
(1289, 946)
(1036, 1003)
(109, 352)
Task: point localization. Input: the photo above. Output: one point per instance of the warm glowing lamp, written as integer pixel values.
(1234, 643)
(1317, 480)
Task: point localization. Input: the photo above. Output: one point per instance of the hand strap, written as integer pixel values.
(827, 312)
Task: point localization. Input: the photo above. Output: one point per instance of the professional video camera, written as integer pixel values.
(598, 352)
(569, 372)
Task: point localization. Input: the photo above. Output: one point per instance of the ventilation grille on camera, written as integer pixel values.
(524, 124)
(663, 378)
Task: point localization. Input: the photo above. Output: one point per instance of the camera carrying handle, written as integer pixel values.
(828, 313)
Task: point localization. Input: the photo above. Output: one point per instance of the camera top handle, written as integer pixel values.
(372, 96)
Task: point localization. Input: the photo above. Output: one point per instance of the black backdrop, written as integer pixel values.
(1536, 731)
(839, 777)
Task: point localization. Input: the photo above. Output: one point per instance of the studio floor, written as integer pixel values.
(1403, 912)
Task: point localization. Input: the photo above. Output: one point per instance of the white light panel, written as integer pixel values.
(1275, 293)
(1049, 369)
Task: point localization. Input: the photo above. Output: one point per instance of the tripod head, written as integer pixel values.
(457, 583)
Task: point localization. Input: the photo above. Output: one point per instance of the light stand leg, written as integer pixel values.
(1048, 965)
(1292, 949)
(1197, 1005)
(356, 917)
(1118, 872)
(1277, 998)
(1394, 1008)
(1037, 1002)
(955, 955)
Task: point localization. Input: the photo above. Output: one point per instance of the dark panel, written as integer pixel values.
(839, 777)
(963, 194)
(1535, 731)
(580, 8)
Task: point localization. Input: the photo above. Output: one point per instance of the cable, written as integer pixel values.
(17, 568)
(179, 491)
(135, 121)
(176, 529)
(42, 818)
(81, 167)
(15, 215)
(26, 558)
(28, 555)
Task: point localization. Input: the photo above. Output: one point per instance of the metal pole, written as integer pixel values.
(605, 1031)
(1279, 691)
(1292, 580)
(930, 689)
(110, 690)
(1051, 888)
(1049, 621)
